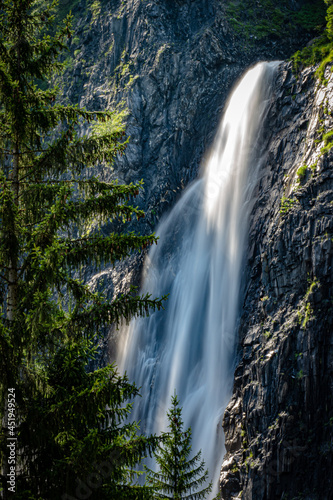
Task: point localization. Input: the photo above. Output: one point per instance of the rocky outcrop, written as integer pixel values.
(279, 423)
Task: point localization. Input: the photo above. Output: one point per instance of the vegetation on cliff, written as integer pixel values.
(320, 50)
(259, 20)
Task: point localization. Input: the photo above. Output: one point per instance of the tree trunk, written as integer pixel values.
(12, 273)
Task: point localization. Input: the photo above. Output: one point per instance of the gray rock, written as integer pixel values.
(283, 389)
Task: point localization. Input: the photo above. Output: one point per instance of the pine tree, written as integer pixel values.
(51, 208)
(179, 477)
(75, 439)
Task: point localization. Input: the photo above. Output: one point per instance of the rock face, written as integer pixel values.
(171, 63)
(279, 423)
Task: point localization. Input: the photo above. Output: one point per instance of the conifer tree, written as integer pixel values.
(179, 477)
(66, 418)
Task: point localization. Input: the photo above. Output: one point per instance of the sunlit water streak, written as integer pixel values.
(190, 346)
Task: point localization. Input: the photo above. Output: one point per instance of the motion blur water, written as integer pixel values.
(190, 346)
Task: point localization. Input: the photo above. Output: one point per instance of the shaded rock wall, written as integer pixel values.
(279, 425)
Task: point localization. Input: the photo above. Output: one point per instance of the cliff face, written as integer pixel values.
(279, 423)
(171, 63)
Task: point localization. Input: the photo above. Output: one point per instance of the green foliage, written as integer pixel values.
(309, 55)
(114, 125)
(305, 312)
(62, 8)
(311, 16)
(313, 284)
(95, 8)
(258, 20)
(80, 422)
(301, 173)
(329, 18)
(68, 416)
(320, 51)
(328, 142)
(178, 477)
(286, 204)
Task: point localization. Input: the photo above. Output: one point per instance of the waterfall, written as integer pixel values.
(189, 347)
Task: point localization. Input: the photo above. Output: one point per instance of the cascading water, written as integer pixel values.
(189, 347)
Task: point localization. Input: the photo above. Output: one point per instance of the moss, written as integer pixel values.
(95, 8)
(313, 284)
(160, 51)
(235, 468)
(301, 173)
(318, 52)
(110, 49)
(305, 312)
(322, 67)
(308, 314)
(328, 138)
(286, 204)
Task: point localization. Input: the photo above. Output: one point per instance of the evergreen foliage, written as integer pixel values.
(74, 437)
(67, 418)
(321, 50)
(179, 477)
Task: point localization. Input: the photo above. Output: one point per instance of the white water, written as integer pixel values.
(190, 346)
